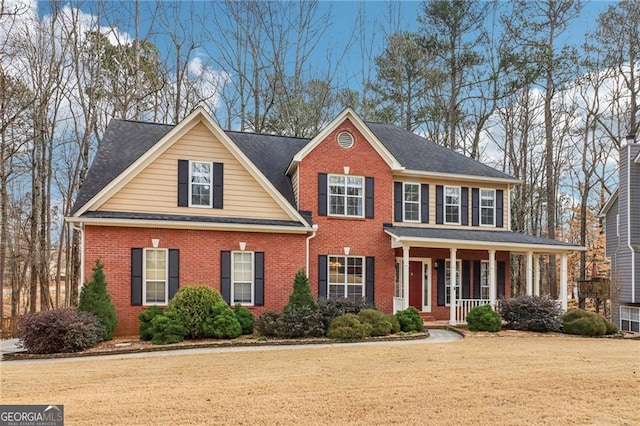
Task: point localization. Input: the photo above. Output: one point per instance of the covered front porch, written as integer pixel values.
(444, 273)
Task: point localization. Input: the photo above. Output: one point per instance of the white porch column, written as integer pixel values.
(536, 274)
(452, 287)
(405, 276)
(529, 273)
(493, 287)
(563, 281)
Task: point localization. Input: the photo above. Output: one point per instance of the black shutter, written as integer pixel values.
(477, 264)
(424, 203)
(398, 198)
(259, 278)
(136, 276)
(370, 279)
(499, 208)
(439, 204)
(218, 185)
(183, 183)
(475, 207)
(322, 276)
(368, 197)
(441, 287)
(501, 279)
(225, 276)
(174, 272)
(322, 194)
(466, 279)
(464, 206)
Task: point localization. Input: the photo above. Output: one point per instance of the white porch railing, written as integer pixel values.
(463, 306)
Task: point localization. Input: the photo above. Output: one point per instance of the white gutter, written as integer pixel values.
(80, 228)
(630, 141)
(315, 231)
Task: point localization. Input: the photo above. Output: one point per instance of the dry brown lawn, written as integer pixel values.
(481, 380)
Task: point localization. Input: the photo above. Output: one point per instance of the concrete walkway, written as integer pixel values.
(9, 346)
(436, 336)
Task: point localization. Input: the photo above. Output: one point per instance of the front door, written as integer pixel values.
(415, 284)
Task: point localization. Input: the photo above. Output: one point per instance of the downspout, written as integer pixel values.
(315, 231)
(80, 229)
(630, 141)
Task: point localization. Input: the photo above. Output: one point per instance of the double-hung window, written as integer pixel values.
(411, 201)
(200, 183)
(155, 277)
(487, 207)
(242, 278)
(452, 205)
(346, 277)
(447, 280)
(346, 195)
(630, 318)
(484, 280)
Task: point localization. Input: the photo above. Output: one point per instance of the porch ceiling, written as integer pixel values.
(475, 239)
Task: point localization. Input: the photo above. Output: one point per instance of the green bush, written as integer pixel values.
(94, 299)
(395, 323)
(221, 323)
(301, 296)
(245, 318)
(348, 327)
(379, 322)
(584, 323)
(146, 317)
(483, 318)
(611, 327)
(532, 313)
(59, 330)
(267, 324)
(193, 305)
(410, 320)
(168, 328)
(336, 306)
(302, 322)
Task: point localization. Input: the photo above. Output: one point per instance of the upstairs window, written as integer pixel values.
(201, 183)
(346, 195)
(452, 205)
(411, 199)
(487, 207)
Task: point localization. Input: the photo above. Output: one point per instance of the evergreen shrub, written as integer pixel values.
(193, 304)
(410, 320)
(301, 296)
(584, 323)
(379, 322)
(222, 323)
(267, 324)
(94, 299)
(484, 318)
(331, 308)
(168, 328)
(245, 318)
(348, 327)
(145, 328)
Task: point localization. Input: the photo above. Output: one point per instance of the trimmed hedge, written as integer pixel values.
(584, 323)
(484, 318)
(222, 323)
(167, 328)
(193, 304)
(410, 320)
(379, 322)
(334, 307)
(245, 318)
(531, 313)
(348, 327)
(145, 328)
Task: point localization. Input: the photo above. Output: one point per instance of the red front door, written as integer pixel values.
(415, 285)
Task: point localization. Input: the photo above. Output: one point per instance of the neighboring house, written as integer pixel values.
(622, 233)
(368, 210)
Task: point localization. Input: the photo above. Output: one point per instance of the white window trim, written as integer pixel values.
(345, 196)
(345, 284)
(404, 202)
(253, 278)
(444, 204)
(191, 162)
(492, 225)
(144, 277)
(488, 285)
(625, 315)
(447, 288)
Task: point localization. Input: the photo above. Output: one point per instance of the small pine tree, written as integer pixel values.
(301, 296)
(95, 299)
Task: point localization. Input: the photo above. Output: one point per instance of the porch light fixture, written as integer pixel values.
(347, 250)
(155, 242)
(243, 245)
(346, 170)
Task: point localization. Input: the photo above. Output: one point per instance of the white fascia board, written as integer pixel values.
(455, 176)
(607, 206)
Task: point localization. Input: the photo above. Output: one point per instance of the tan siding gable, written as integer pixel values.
(154, 189)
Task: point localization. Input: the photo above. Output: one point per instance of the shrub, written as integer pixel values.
(193, 305)
(483, 318)
(532, 313)
(222, 323)
(410, 320)
(59, 330)
(168, 328)
(301, 296)
(395, 323)
(245, 318)
(348, 327)
(94, 299)
(145, 329)
(583, 323)
(302, 322)
(379, 322)
(267, 324)
(611, 327)
(334, 307)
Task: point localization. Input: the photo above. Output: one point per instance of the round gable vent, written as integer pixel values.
(345, 140)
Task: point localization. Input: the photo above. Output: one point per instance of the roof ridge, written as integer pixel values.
(142, 122)
(265, 134)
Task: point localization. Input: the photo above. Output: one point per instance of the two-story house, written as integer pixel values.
(368, 210)
(622, 234)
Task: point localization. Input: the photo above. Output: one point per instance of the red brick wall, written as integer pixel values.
(365, 237)
(199, 262)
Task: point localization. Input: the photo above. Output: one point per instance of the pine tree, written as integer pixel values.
(301, 296)
(95, 299)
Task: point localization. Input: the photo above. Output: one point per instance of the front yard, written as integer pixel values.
(484, 379)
